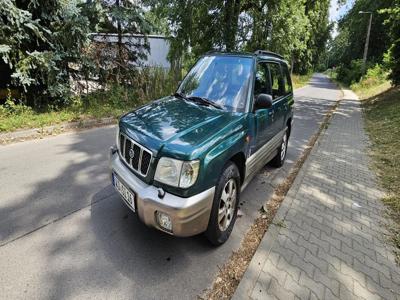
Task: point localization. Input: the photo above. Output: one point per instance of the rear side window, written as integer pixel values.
(277, 80)
(262, 84)
(287, 79)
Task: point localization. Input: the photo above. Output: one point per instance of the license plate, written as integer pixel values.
(125, 193)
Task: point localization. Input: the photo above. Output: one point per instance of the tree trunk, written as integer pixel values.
(231, 19)
(119, 43)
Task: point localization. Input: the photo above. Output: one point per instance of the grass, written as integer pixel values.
(300, 80)
(382, 119)
(365, 90)
(16, 117)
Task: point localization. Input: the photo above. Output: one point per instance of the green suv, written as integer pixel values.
(181, 162)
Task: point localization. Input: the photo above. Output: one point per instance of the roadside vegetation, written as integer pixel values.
(300, 80)
(374, 82)
(111, 101)
(382, 119)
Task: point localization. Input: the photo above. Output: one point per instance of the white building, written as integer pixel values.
(159, 46)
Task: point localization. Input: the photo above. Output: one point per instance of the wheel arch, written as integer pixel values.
(239, 159)
(289, 126)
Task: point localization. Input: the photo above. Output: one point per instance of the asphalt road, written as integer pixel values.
(65, 233)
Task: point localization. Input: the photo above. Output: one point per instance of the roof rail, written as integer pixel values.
(227, 52)
(265, 52)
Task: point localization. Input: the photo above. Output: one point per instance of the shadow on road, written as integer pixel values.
(98, 247)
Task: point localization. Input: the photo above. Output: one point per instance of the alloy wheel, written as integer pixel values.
(283, 147)
(227, 204)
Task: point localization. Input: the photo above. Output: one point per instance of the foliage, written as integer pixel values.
(317, 13)
(44, 45)
(373, 82)
(152, 83)
(122, 17)
(384, 43)
(349, 44)
(392, 57)
(39, 40)
(296, 29)
(351, 73)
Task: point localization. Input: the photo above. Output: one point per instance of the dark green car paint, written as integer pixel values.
(184, 130)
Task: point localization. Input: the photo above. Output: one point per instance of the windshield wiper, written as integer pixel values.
(180, 95)
(205, 101)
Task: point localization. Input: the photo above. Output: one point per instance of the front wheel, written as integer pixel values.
(225, 206)
(280, 157)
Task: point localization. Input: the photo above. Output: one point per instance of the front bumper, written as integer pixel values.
(189, 216)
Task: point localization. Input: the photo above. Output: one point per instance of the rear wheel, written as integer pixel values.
(280, 157)
(225, 206)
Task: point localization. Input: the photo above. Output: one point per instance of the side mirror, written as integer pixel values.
(263, 101)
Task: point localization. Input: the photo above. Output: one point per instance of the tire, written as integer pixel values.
(280, 157)
(225, 206)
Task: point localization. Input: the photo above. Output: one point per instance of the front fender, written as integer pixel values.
(217, 157)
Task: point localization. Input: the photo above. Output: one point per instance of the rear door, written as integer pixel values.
(278, 95)
(288, 87)
(264, 118)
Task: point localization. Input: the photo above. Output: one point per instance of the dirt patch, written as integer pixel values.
(232, 271)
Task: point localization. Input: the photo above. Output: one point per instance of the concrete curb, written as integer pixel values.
(36, 133)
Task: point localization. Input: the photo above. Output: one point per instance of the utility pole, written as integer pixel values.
(364, 66)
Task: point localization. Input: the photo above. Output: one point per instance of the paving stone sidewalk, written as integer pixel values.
(331, 243)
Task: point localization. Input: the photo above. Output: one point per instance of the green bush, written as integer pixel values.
(374, 76)
(13, 106)
(350, 74)
(392, 59)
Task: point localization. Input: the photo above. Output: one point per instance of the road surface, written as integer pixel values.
(65, 233)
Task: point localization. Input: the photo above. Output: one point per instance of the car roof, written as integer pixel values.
(259, 55)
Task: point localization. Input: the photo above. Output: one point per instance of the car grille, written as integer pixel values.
(135, 155)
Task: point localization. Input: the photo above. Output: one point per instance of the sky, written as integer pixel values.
(335, 12)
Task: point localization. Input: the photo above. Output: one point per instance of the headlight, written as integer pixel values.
(190, 170)
(177, 172)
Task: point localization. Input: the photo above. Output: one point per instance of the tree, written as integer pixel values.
(40, 42)
(126, 17)
(352, 30)
(278, 25)
(393, 55)
(317, 13)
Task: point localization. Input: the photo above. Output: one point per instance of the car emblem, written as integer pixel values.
(131, 153)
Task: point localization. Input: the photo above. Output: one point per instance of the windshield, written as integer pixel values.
(221, 79)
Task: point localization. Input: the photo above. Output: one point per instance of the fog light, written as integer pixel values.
(164, 220)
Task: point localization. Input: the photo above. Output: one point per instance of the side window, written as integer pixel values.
(277, 81)
(287, 80)
(261, 85)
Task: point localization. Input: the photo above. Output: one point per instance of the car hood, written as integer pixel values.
(177, 128)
